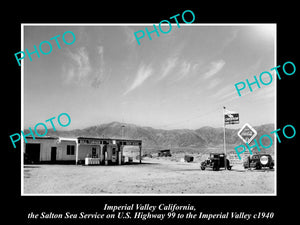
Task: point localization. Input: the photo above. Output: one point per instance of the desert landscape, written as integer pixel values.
(171, 94)
(157, 175)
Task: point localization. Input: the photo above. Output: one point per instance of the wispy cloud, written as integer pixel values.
(229, 93)
(224, 92)
(78, 68)
(233, 35)
(214, 68)
(143, 73)
(168, 67)
(129, 34)
(185, 69)
(262, 93)
(99, 75)
(179, 69)
(269, 92)
(214, 82)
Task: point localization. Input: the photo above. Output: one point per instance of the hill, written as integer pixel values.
(202, 138)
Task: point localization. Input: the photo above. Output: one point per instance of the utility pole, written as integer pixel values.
(123, 127)
(225, 162)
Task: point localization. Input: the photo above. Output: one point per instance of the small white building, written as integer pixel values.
(50, 149)
(79, 150)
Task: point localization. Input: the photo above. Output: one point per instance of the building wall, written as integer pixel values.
(61, 149)
(110, 151)
(84, 150)
(45, 150)
(131, 152)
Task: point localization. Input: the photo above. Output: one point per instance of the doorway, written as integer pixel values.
(32, 152)
(53, 154)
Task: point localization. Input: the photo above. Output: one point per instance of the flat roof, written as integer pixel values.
(45, 137)
(81, 137)
(110, 139)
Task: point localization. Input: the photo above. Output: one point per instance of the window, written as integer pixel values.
(70, 150)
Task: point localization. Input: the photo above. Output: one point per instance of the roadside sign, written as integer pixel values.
(247, 133)
(231, 118)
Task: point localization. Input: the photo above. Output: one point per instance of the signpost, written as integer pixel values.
(229, 118)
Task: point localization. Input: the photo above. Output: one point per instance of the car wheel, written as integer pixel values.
(202, 167)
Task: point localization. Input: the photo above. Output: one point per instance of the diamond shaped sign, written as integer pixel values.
(247, 133)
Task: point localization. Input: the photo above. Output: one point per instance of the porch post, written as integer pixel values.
(101, 153)
(77, 146)
(140, 153)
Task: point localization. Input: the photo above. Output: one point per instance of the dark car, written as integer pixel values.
(259, 161)
(216, 161)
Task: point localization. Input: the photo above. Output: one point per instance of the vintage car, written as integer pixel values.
(259, 161)
(215, 161)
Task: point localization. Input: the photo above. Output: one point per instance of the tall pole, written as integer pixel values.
(123, 126)
(225, 162)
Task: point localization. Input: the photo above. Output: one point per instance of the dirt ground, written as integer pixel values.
(153, 176)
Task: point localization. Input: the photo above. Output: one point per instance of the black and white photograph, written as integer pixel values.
(113, 113)
(150, 114)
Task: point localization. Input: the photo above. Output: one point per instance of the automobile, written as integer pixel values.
(258, 161)
(215, 161)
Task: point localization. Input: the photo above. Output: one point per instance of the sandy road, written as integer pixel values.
(152, 177)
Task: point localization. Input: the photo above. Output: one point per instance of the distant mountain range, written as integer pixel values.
(203, 137)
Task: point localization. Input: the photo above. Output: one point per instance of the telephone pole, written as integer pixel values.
(225, 161)
(123, 126)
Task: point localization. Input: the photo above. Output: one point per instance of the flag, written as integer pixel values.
(231, 117)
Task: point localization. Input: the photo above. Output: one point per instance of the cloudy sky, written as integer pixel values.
(177, 80)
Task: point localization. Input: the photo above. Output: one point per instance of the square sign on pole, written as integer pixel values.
(231, 118)
(247, 133)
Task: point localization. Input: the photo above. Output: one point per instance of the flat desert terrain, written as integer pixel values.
(153, 176)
